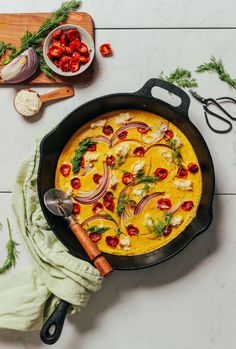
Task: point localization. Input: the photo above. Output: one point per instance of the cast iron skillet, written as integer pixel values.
(53, 144)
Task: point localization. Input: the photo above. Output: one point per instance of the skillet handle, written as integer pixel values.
(146, 91)
(56, 319)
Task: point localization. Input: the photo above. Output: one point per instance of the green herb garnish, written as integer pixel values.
(176, 152)
(80, 151)
(180, 77)
(97, 229)
(43, 65)
(122, 202)
(11, 252)
(217, 66)
(158, 227)
(4, 47)
(120, 161)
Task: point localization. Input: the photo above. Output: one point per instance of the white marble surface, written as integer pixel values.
(189, 301)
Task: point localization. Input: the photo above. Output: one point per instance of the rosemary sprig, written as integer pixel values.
(217, 66)
(180, 77)
(97, 229)
(43, 65)
(11, 252)
(80, 151)
(34, 39)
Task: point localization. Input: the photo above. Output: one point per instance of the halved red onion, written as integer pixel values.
(98, 216)
(89, 197)
(175, 208)
(20, 68)
(142, 203)
(102, 139)
(133, 124)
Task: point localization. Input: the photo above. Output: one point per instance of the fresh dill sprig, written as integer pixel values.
(180, 77)
(34, 39)
(97, 229)
(159, 227)
(4, 47)
(217, 66)
(11, 252)
(176, 152)
(122, 202)
(43, 65)
(80, 151)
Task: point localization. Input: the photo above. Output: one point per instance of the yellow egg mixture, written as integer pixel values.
(165, 163)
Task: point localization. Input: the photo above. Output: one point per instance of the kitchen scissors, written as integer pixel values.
(206, 102)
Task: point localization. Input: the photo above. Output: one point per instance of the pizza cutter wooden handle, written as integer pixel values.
(62, 92)
(90, 248)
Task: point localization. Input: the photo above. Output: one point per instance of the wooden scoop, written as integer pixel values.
(60, 93)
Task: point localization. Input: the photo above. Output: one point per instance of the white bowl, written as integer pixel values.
(85, 37)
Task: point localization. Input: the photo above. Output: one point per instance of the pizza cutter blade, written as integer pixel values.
(58, 202)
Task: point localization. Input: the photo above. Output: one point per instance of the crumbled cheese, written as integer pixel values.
(138, 166)
(90, 157)
(113, 180)
(149, 223)
(122, 150)
(176, 221)
(27, 103)
(99, 123)
(164, 127)
(155, 136)
(178, 141)
(167, 155)
(122, 118)
(138, 192)
(184, 184)
(125, 242)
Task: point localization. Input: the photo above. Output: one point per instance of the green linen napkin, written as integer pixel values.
(27, 298)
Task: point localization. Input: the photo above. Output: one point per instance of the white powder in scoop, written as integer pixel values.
(27, 102)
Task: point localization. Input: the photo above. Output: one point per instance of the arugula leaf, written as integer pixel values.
(80, 151)
(181, 77)
(97, 229)
(217, 66)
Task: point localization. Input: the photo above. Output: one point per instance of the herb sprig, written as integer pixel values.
(11, 252)
(176, 152)
(122, 202)
(217, 66)
(4, 47)
(43, 65)
(146, 180)
(181, 77)
(158, 227)
(80, 151)
(97, 229)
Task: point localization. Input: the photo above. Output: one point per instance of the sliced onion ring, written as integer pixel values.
(101, 139)
(142, 203)
(98, 216)
(92, 196)
(133, 124)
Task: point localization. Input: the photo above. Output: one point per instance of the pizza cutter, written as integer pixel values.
(60, 204)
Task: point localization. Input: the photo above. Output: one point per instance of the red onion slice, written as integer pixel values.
(102, 139)
(134, 124)
(175, 208)
(98, 216)
(142, 203)
(92, 196)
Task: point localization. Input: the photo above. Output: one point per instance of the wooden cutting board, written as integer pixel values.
(13, 26)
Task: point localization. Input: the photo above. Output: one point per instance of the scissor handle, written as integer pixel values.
(208, 111)
(146, 91)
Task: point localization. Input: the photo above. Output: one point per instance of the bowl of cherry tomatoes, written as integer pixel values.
(68, 50)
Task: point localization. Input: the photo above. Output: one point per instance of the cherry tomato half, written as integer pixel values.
(84, 59)
(55, 52)
(112, 241)
(57, 34)
(74, 45)
(105, 50)
(66, 49)
(168, 230)
(164, 204)
(56, 44)
(65, 170)
(109, 204)
(139, 151)
(142, 130)
(64, 40)
(97, 207)
(162, 173)
(168, 135)
(193, 168)
(75, 183)
(110, 160)
(74, 66)
(96, 178)
(132, 230)
(187, 205)
(92, 147)
(72, 34)
(107, 130)
(83, 48)
(95, 237)
(76, 208)
(108, 196)
(127, 178)
(65, 63)
(123, 135)
(182, 173)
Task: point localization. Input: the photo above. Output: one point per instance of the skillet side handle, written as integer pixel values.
(146, 91)
(56, 319)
